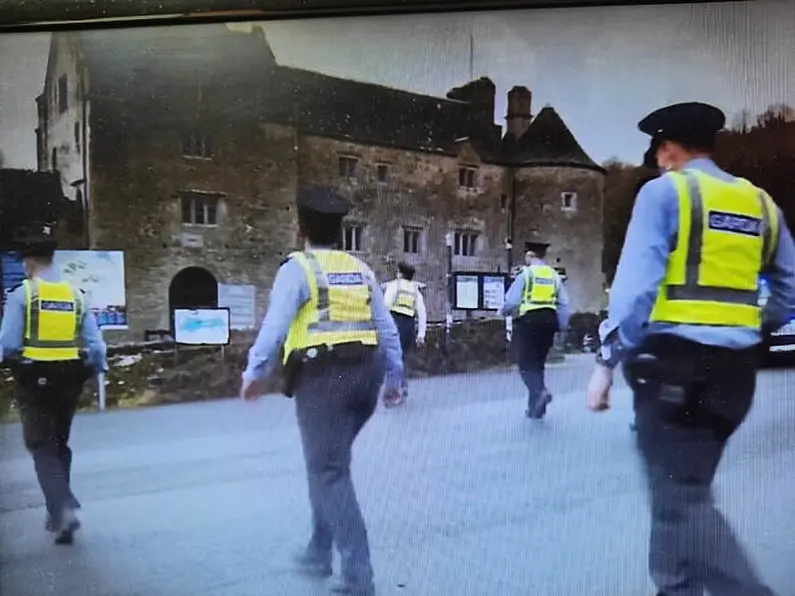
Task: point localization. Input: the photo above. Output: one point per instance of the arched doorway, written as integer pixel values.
(193, 287)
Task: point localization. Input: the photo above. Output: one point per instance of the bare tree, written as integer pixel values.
(775, 115)
(742, 122)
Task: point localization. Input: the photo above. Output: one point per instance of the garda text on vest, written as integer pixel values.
(53, 314)
(727, 233)
(339, 308)
(540, 289)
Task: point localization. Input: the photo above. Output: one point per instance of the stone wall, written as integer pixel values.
(421, 191)
(137, 181)
(575, 234)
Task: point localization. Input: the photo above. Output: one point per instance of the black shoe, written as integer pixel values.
(343, 586)
(69, 524)
(545, 401)
(312, 565)
(541, 409)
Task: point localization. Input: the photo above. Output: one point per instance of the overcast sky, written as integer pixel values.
(603, 69)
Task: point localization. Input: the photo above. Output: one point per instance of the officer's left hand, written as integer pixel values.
(599, 388)
(251, 390)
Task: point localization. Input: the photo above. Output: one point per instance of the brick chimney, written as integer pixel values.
(520, 101)
(480, 94)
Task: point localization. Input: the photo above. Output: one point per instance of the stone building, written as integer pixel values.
(186, 147)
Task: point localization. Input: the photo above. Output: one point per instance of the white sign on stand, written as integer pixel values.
(202, 327)
(241, 300)
(493, 292)
(466, 292)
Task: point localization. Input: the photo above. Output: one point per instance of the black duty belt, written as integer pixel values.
(46, 374)
(354, 350)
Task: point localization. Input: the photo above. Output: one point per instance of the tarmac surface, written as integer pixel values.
(462, 495)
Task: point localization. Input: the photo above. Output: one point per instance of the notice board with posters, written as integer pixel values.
(99, 273)
(479, 290)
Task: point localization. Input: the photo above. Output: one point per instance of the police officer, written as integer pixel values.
(649, 162)
(327, 310)
(541, 301)
(45, 321)
(685, 319)
(405, 302)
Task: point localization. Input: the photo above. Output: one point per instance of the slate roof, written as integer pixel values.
(547, 141)
(141, 65)
(345, 109)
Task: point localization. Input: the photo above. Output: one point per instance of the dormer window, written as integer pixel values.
(467, 177)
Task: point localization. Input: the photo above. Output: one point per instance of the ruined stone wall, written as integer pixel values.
(575, 234)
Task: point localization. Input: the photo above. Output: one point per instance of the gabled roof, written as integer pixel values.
(547, 142)
(345, 109)
(138, 68)
(112, 54)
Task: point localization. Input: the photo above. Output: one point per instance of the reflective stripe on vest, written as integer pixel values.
(53, 312)
(339, 309)
(728, 232)
(405, 299)
(540, 288)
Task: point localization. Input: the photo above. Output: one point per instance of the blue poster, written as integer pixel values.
(13, 272)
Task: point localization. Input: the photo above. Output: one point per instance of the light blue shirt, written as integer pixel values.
(650, 239)
(514, 295)
(289, 293)
(12, 331)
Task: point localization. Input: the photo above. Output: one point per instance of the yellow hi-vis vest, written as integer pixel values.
(728, 233)
(53, 314)
(339, 309)
(405, 299)
(540, 288)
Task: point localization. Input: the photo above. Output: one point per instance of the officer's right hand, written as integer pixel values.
(599, 386)
(250, 389)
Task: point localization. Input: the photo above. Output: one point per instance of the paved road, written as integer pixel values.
(463, 496)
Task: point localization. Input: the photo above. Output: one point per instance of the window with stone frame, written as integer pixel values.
(412, 240)
(465, 244)
(382, 173)
(198, 145)
(467, 177)
(352, 237)
(199, 209)
(347, 166)
(568, 201)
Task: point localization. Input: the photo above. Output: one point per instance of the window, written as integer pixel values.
(352, 238)
(465, 244)
(466, 177)
(77, 136)
(63, 100)
(346, 167)
(199, 209)
(198, 145)
(568, 201)
(411, 240)
(382, 172)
